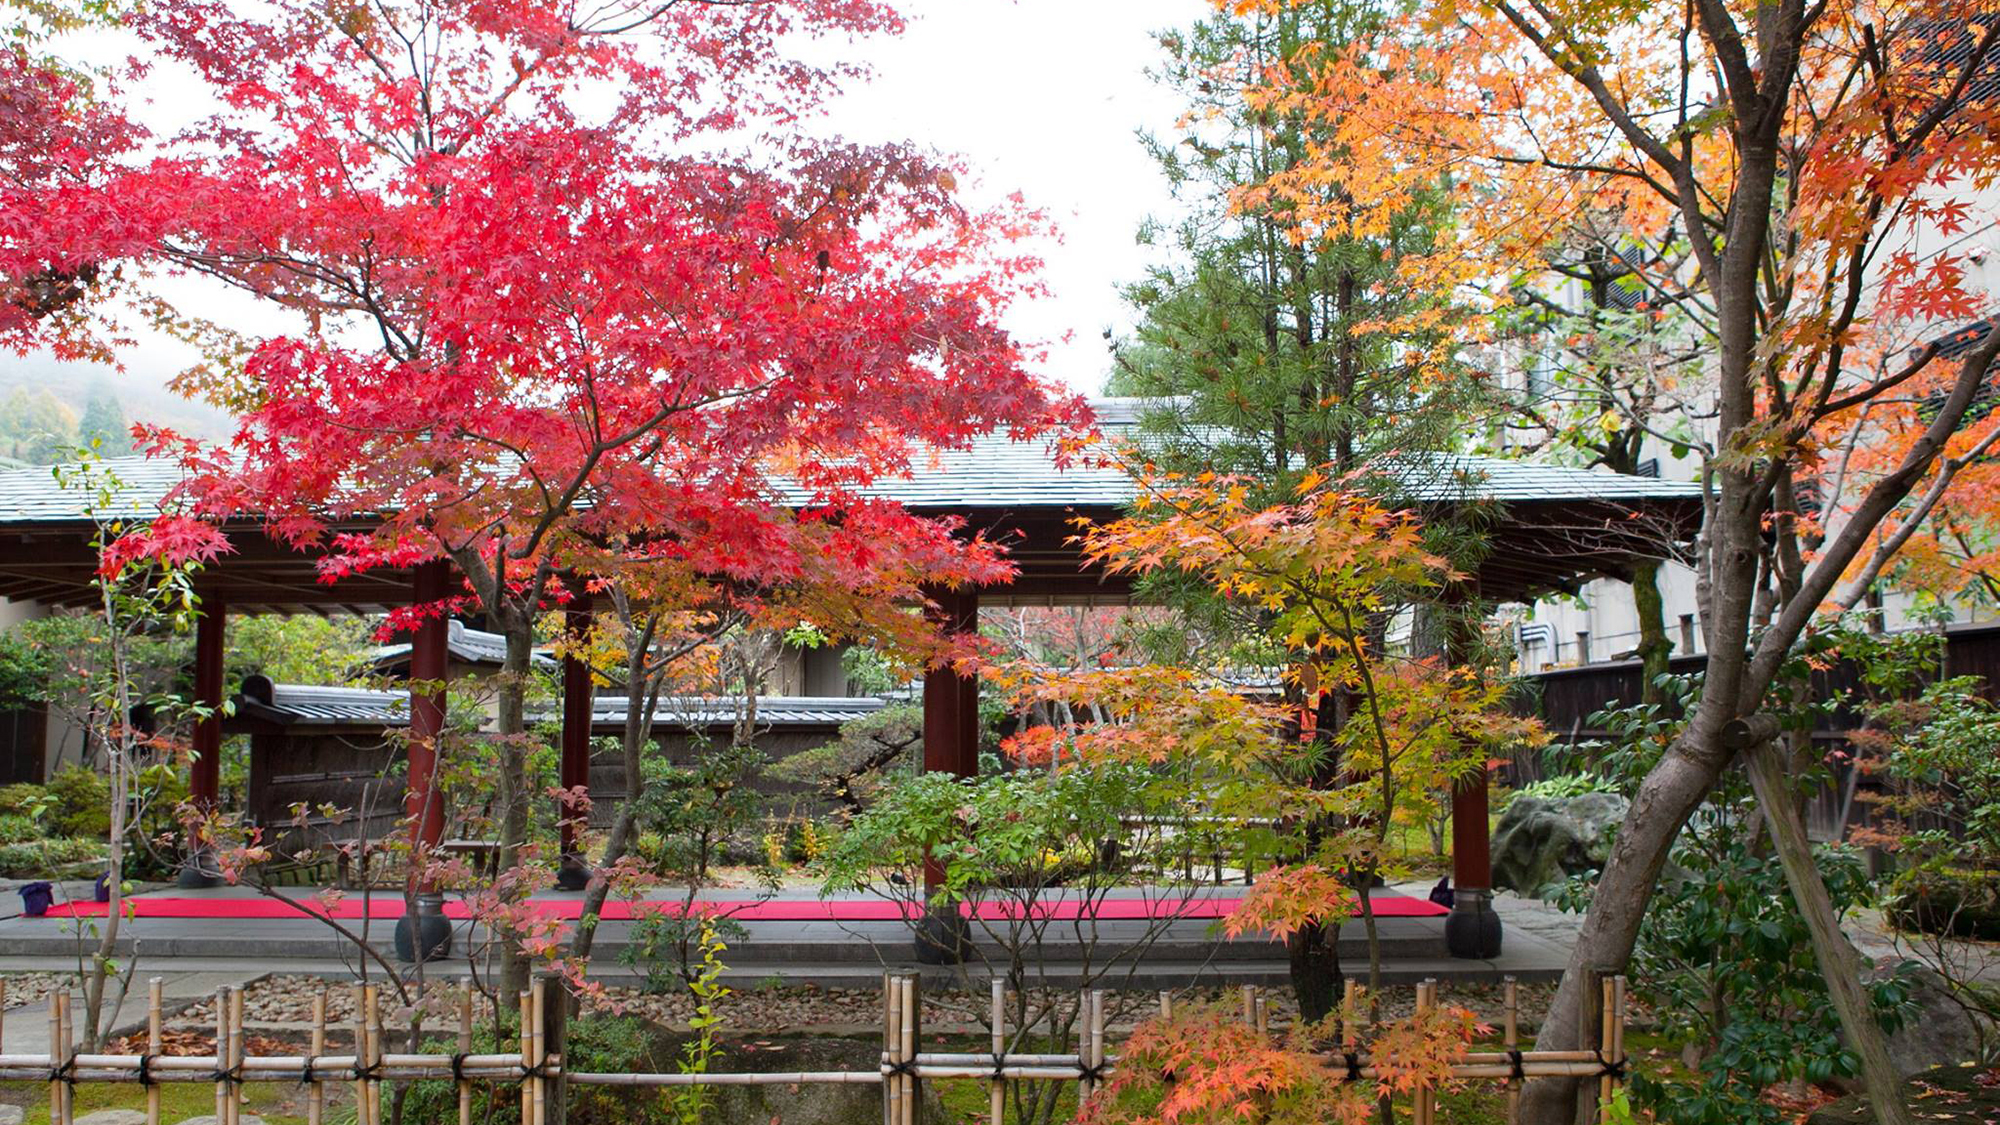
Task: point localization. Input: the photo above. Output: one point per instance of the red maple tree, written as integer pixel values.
(555, 276)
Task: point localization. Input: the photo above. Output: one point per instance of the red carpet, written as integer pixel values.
(772, 910)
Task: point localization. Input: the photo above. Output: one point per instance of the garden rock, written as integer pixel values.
(209, 1119)
(1542, 841)
(1937, 1032)
(1949, 1095)
(12, 1115)
(113, 1117)
(817, 1104)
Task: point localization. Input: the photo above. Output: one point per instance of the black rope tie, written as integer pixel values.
(999, 1067)
(228, 1074)
(372, 1072)
(906, 1068)
(306, 1072)
(539, 1070)
(146, 1070)
(458, 1066)
(1353, 1066)
(1520, 1073)
(65, 1074)
(1612, 1070)
(1092, 1073)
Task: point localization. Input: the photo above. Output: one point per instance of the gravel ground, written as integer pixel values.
(286, 1002)
(24, 989)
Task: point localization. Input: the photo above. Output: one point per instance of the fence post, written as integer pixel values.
(1513, 1044)
(1589, 1030)
(357, 996)
(1421, 1099)
(997, 1110)
(464, 1048)
(555, 1034)
(58, 1057)
(316, 1092)
(527, 1005)
(153, 1017)
(1617, 1038)
(913, 1010)
(1090, 1043)
(222, 1055)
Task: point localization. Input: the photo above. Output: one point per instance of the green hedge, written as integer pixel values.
(60, 857)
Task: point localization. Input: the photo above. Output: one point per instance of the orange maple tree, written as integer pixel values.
(1806, 172)
(1348, 738)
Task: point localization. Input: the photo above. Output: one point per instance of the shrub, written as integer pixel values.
(24, 799)
(597, 1043)
(82, 802)
(17, 829)
(59, 857)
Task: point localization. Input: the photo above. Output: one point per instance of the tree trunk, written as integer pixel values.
(1838, 962)
(1655, 649)
(1317, 979)
(1666, 798)
(513, 787)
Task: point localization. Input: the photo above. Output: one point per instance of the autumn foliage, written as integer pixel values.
(1202, 1067)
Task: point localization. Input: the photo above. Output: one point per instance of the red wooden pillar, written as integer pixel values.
(427, 934)
(205, 764)
(1473, 929)
(205, 770)
(951, 745)
(578, 690)
(429, 666)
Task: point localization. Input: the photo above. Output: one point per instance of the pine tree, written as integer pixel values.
(1271, 357)
(104, 424)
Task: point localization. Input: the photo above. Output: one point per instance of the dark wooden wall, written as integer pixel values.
(1566, 698)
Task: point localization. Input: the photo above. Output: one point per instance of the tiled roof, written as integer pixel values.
(772, 710)
(33, 495)
(466, 645)
(994, 472)
(1462, 477)
(300, 705)
(290, 704)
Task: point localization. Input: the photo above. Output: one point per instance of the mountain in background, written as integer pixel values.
(49, 407)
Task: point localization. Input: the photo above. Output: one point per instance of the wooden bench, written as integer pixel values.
(484, 855)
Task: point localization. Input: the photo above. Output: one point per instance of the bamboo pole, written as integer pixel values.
(154, 1003)
(464, 1048)
(315, 1090)
(1263, 1016)
(1166, 1004)
(1512, 1039)
(1589, 1009)
(527, 1006)
(58, 1056)
(891, 1043)
(235, 1061)
(1617, 1022)
(360, 1056)
(1091, 1043)
(539, 997)
(222, 1056)
(997, 1097)
(373, 1057)
(912, 1015)
(1605, 1035)
(1250, 1005)
(1421, 1100)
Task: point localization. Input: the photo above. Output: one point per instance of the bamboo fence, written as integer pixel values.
(536, 1065)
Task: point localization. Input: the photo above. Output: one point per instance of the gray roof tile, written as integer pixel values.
(994, 472)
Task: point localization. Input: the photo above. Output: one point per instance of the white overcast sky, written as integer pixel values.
(1043, 97)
